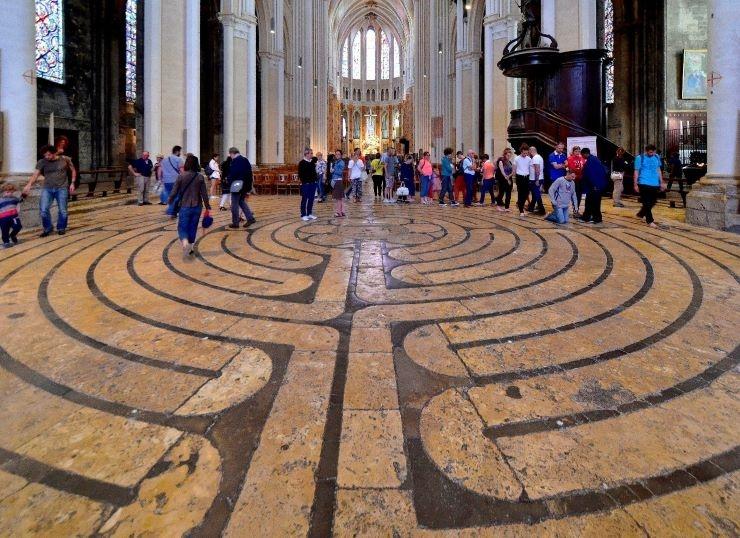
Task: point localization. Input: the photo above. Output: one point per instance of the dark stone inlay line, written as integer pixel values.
(514, 248)
(59, 479)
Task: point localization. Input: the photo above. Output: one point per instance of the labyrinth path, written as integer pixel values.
(404, 371)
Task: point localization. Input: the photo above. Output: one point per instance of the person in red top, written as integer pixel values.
(488, 170)
(575, 164)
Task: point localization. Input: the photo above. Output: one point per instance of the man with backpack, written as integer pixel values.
(648, 182)
(240, 185)
(172, 167)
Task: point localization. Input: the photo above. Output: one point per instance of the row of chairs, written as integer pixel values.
(277, 183)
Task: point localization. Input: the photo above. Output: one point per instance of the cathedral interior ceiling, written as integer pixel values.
(347, 14)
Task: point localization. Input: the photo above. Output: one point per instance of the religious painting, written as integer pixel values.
(694, 79)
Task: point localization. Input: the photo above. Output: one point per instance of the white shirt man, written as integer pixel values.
(522, 163)
(356, 166)
(536, 166)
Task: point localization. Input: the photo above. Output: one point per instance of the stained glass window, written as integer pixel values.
(50, 40)
(385, 56)
(609, 46)
(370, 54)
(384, 125)
(356, 59)
(396, 59)
(356, 125)
(131, 6)
(345, 58)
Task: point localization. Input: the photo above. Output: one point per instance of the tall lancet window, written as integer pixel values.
(609, 46)
(49, 40)
(345, 58)
(385, 56)
(396, 59)
(356, 57)
(131, 6)
(370, 54)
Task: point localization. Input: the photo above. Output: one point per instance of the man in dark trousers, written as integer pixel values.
(307, 175)
(241, 181)
(594, 183)
(141, 169)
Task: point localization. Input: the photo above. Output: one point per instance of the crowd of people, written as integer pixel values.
(185, 188)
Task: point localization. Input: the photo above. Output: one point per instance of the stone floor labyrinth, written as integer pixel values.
(404, 371)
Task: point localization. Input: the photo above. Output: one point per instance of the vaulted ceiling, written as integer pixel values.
(391, 14)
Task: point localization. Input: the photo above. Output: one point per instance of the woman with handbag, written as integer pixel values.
(619, 167)
(190, 187)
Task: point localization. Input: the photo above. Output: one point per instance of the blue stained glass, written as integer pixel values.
(131, 6)
(50, 40)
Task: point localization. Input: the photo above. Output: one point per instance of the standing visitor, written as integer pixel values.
(356, 168)
(469, 171)
(391, 173)
(307, 176)
(378, 171)
(488, 170)
(648, 182)
(337, 183)
(172, 167)
(504, 178)
(190, 188)
(141, 169)
(675, 172)
(436, 184)
(575, 165)
(557, 162)
(320, 176)
(447, 171)
(56, 187)
(241, 182)
(522, 163)
(10, 222)
(458, 184)
(425, 178)
(562, 193)
(214, 174)
(536, 180)
(619, 168)
(225, 184)
(407, 176)
(593, 183)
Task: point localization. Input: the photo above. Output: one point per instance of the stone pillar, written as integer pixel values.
(714, 201)
(191, 143)
(489, 72)
(18, 90)
(153, 78)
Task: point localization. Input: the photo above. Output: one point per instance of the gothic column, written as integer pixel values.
(191, 141)
(714, 201)
(321, 70)
(18, 90)
(489, 72)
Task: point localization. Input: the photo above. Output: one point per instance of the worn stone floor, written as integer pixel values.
(406, 371)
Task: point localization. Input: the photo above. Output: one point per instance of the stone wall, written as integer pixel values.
(686, 28)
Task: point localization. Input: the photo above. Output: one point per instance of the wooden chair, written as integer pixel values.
(282, 186)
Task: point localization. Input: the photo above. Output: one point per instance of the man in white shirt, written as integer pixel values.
(356, 167)
(536, 179)
(522, 163)
(469, 176)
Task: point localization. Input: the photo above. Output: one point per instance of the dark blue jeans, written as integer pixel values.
(308, 193)
(167, 189)
(48, 195)
(536, 203)
(469, 180)
(10, 226)
(487, 187)
(187, 223)
(446, 189)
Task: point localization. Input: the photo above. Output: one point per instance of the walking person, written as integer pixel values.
(321, 165)
(562, 193)
(56, 187)
(213, 170)
(391, 173)
(593, 183)
(190, 188)
(447, 170)
(337, 183)
(407, 176)
(241, 182)
(522, 164)
(141, 169)
(488, 172)
(425, 178)
(307, 176)
(575, 164)
(378, 170)
(619, 168)
(536, 180)
(648, 182)
(225, 184)
(10, 221)
(172, 167)
(356, 169)
(504, 178)
(469, 170)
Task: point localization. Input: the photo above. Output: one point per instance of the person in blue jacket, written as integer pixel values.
(594, 183)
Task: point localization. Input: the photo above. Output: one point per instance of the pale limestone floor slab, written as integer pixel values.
(404, 371)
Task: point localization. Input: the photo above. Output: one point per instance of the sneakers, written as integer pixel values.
(454, 204)
(306, 218)
(233, 226)
(62, 232)
(45, 233)
(8, 245)
(250, 221)
(442, 204)
(312, 217)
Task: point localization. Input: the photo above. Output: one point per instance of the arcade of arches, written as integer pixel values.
(401, 370)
